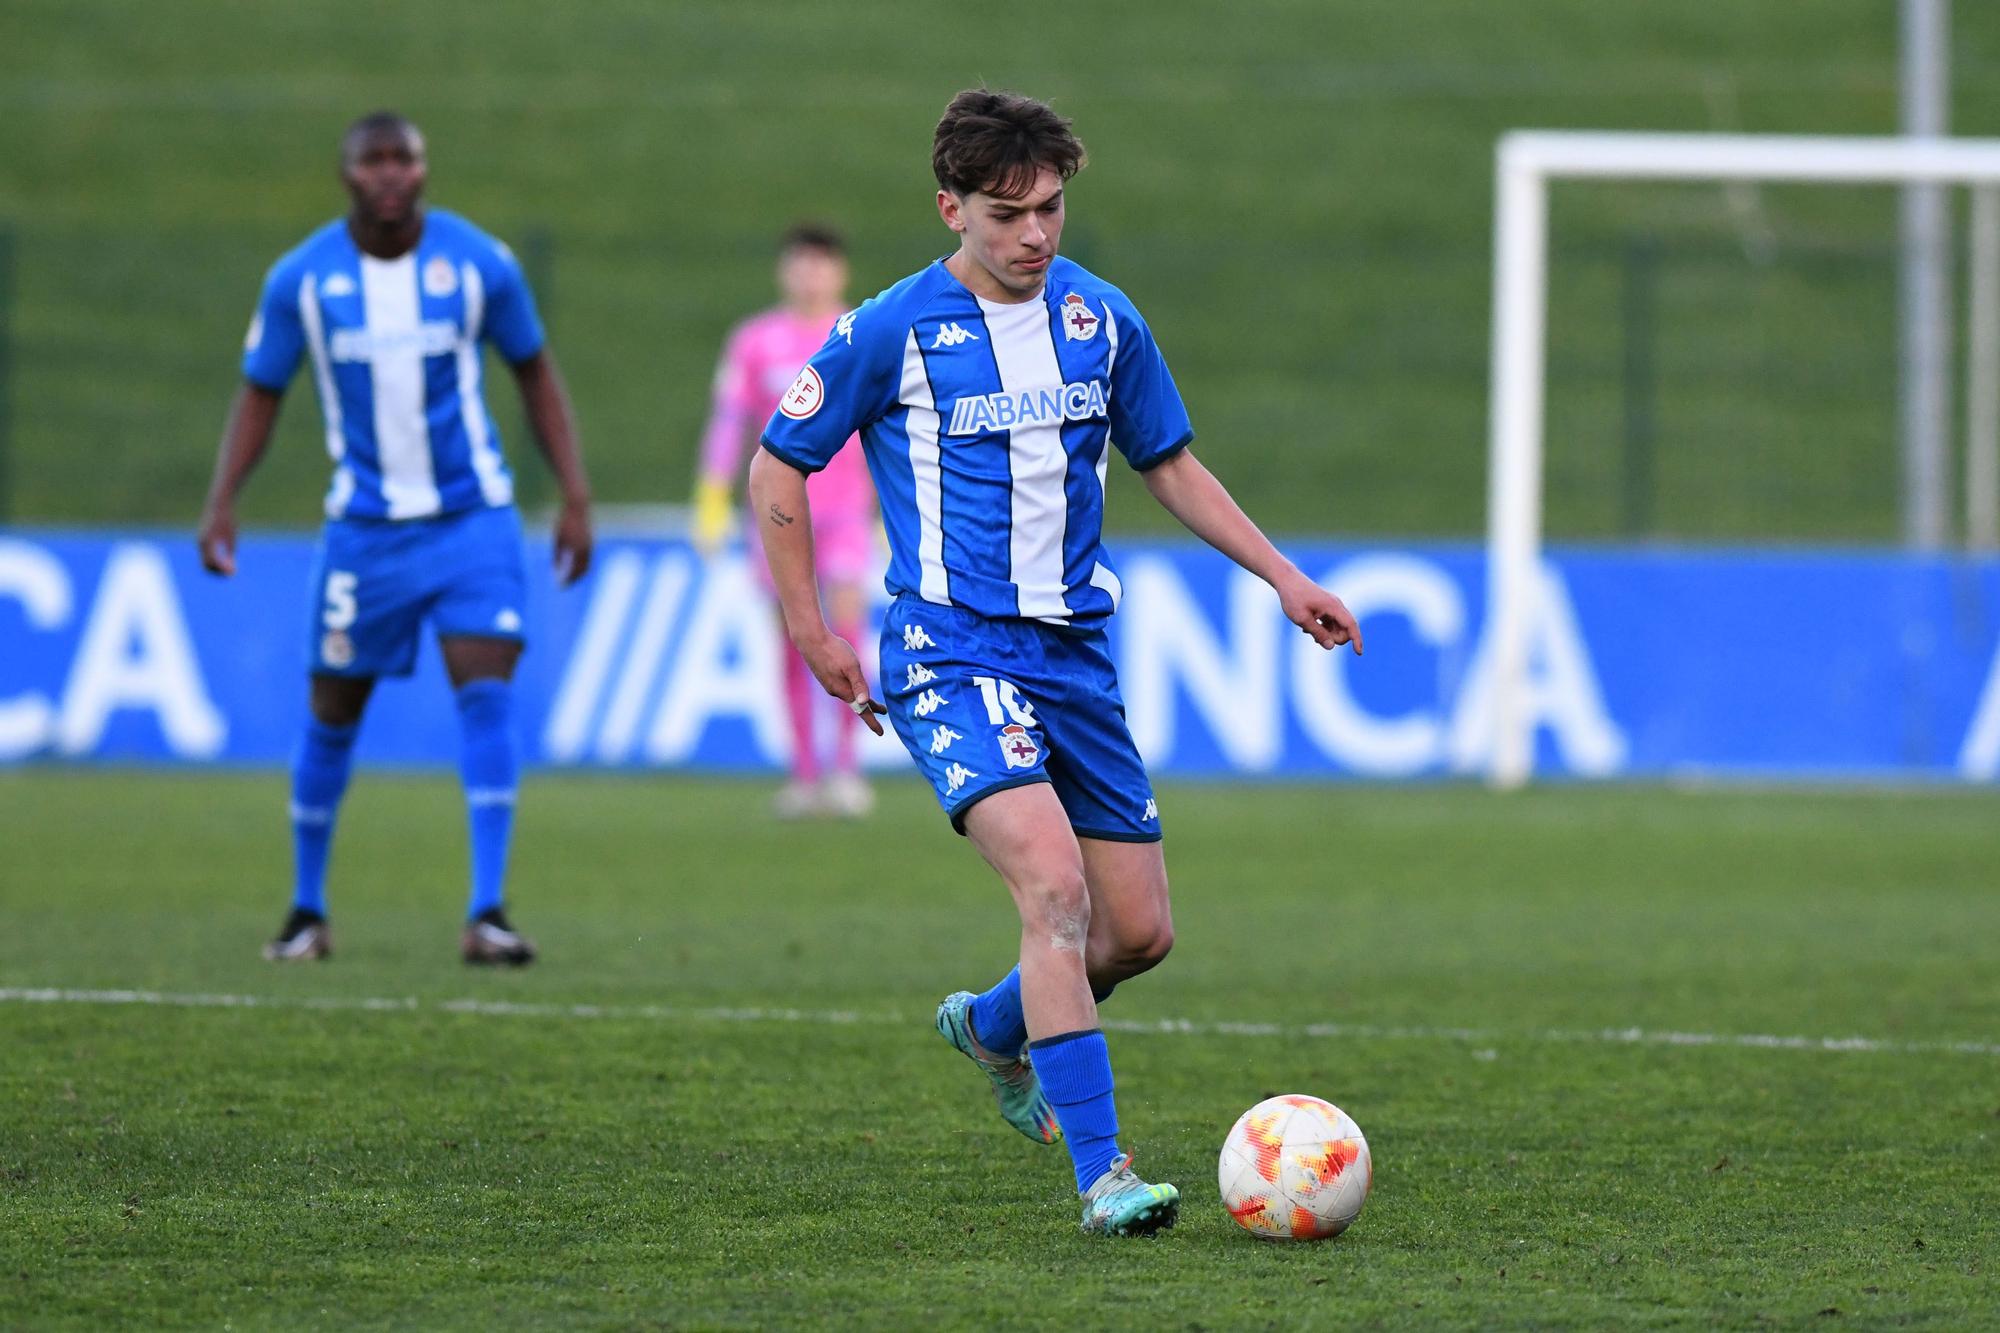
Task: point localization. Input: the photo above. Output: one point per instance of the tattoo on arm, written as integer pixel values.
(780, 517)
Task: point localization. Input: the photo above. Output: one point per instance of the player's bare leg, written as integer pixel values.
(319, 779)
(800, 797)
(481, 671)
(1024, 834)
(1131, 919)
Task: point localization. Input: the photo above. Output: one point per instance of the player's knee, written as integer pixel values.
(1058, 903)
(1140, 948)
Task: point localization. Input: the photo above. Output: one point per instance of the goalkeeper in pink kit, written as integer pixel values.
(759, 362)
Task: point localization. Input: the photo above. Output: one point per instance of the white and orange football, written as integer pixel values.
(1295, 1168)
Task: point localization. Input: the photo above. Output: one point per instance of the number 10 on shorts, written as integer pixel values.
(1001, 694)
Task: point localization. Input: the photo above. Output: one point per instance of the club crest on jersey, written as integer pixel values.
(440, 278)
(1034, 407)
(804, 397)
(1017, 747)
(1079, 324)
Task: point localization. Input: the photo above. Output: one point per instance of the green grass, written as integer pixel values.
(293, 1166)
(1298, 194)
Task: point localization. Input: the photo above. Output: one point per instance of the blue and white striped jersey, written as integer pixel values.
(987, 428)
(394, 345)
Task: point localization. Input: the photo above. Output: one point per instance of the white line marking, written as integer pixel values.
(852, 1017)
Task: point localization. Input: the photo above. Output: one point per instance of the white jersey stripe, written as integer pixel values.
(1025, 353)
(329, 400)
(396, 367)
(927, 476)
(494, 483)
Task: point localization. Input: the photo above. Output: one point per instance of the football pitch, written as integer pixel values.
(1625, 1056)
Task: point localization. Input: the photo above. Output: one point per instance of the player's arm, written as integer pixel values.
(550, 417)
(252, 415)
(1191, 493)
(778, 499)
(271, 352)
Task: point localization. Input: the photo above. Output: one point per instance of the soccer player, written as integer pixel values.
(988, 389)
(391, 305)
(758, 362)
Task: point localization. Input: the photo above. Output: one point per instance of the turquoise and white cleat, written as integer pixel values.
(1121, 1204)
(1015, 1086)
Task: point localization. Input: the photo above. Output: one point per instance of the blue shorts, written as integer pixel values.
(375, 582)
(983, 705)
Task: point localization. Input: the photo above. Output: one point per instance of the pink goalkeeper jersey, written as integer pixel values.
(759, 362)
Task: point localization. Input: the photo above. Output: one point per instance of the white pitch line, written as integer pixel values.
(1630, 1036)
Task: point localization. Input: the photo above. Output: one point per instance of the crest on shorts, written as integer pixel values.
(1017, 747)
(1078, 321)
(336, 649)
(440, 278)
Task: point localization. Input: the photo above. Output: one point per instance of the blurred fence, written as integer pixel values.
(1703, 386)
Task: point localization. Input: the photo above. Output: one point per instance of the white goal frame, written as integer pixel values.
(1526, 161)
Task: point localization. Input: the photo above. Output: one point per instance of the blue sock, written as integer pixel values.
(1075, 1070)
(319, 777)
(996, 1017)
(488, 768)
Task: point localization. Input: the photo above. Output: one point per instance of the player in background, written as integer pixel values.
(989, 388)
(758, 361)
(391, 305)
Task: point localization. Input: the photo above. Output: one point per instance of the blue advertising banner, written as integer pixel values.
(118, 648)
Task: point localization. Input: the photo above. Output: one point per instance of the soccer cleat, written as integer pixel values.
(797, 800)
(1121, 1204)
(848, 796)
(489, 939)
(1015, 1086)
(304, 936)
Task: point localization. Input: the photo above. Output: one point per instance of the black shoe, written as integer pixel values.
(305, 936)
(489, 939)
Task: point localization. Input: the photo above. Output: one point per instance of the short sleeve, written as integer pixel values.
(511, 322)
(852, 380)
(1149, 423)
(276, 340)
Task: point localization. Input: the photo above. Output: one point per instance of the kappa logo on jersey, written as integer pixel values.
(844, 326)
(951, 335)
(1152, 811)
(927, 703)
(942, 738)
(440, 278)
(256, 334)
(336, 285)
(915, 637)
(1017, 747)
(918, 674)
(1079, 324)
(804, 397)
(1034, 407)
(955, 777)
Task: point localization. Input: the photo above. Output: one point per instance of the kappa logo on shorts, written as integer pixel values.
(942, 738)
(1152, 811)
(508, 621)
(804, 397)
(1017, 747)
(951, 335)
(955, 777)
(918, 674)
(914, 638)
(1079, 324)
(927, 703)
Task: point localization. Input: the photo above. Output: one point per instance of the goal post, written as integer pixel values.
(1526, 161)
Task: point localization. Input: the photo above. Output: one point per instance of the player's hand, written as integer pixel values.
(1319, 613)
(838, 670)
(573, 541)
(216, 539)
(714, 517)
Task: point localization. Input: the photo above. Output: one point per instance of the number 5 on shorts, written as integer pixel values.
(340, 609)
